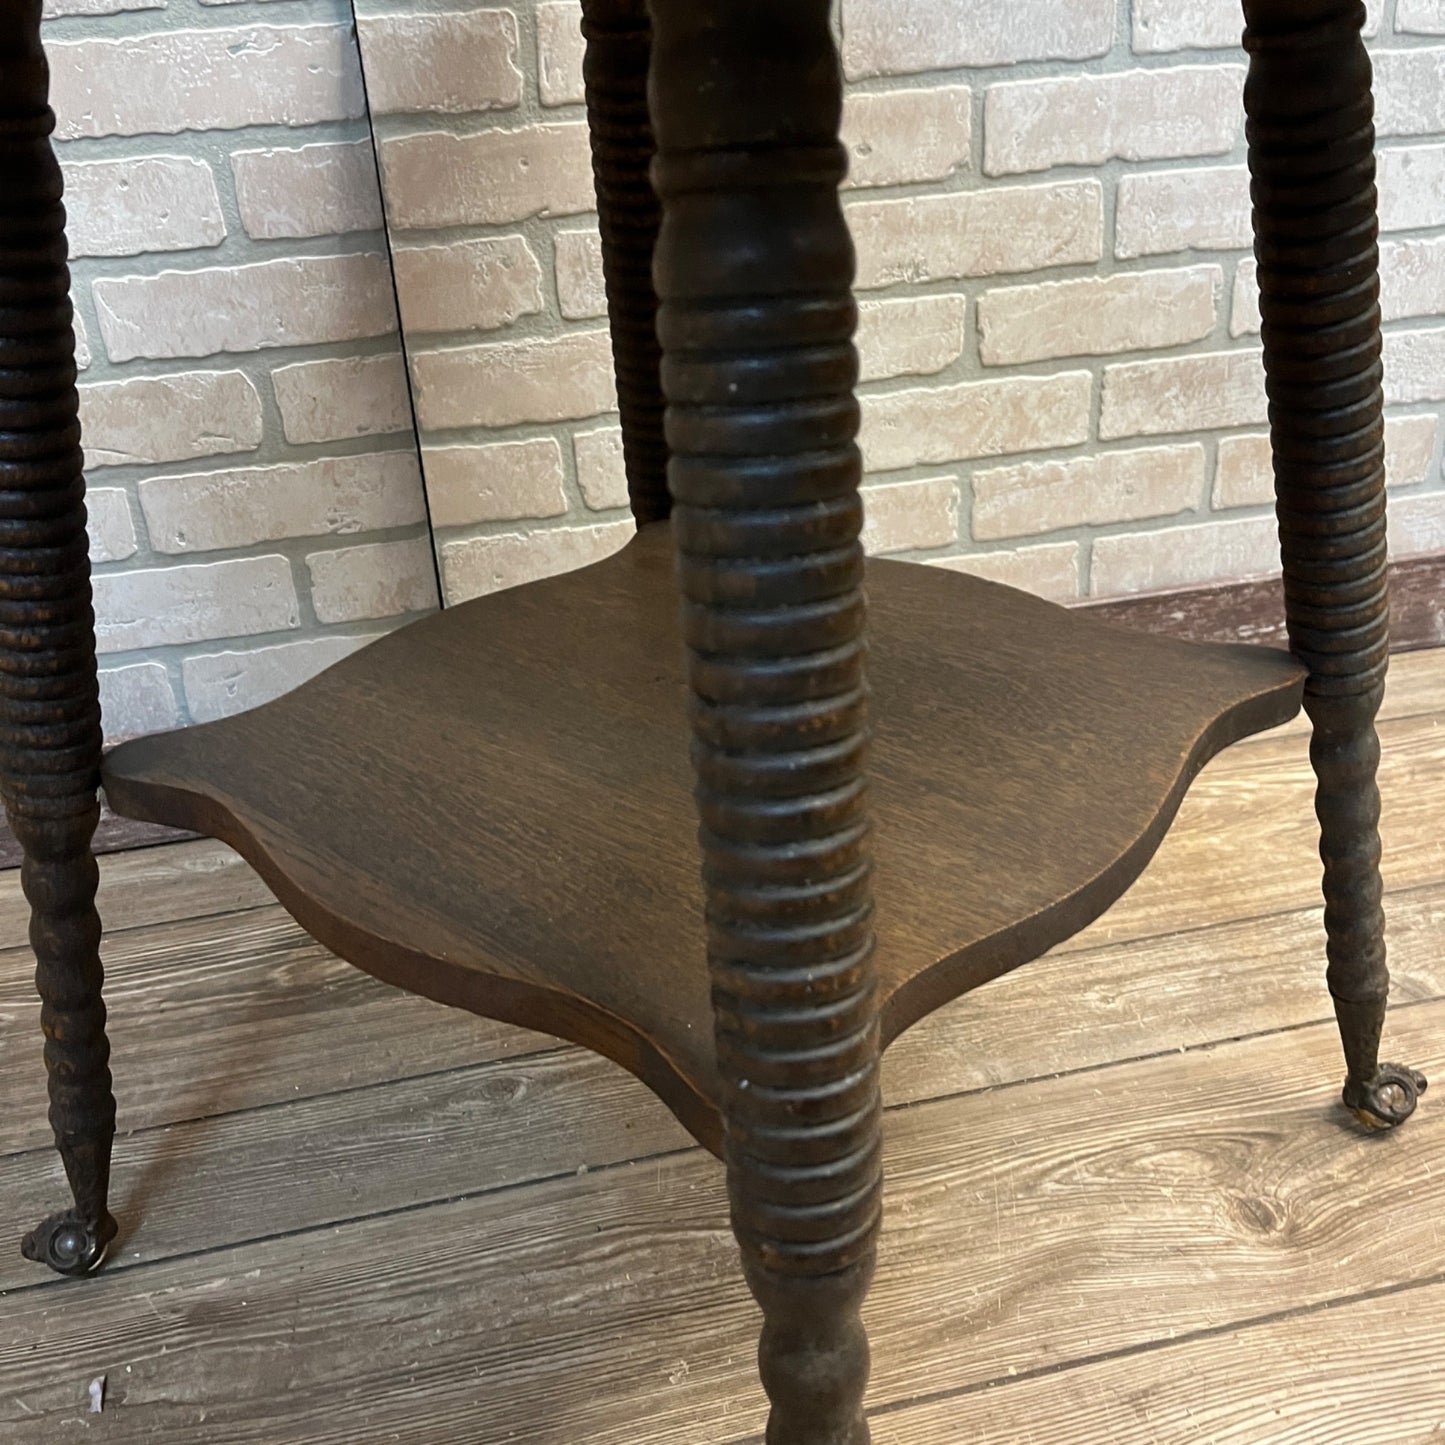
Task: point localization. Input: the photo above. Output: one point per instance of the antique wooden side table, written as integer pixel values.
(495, 806)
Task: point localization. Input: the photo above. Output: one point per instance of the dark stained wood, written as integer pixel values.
(754, 272)
(1155, 995)
(266, 1015)
(49, 698)
(1018, 789)
(1309, 109)
(1248, 612)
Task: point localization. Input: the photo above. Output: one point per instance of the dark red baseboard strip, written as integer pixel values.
(114, 834)
(1254, 611)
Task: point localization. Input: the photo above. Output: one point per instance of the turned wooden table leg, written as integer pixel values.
(49, 707)
(619, 44)
(1311, 156)
(754, 270)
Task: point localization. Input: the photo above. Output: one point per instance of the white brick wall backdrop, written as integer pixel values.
(256, 507)
(1058, 317)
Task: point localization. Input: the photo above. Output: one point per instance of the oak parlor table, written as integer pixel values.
(496, 807)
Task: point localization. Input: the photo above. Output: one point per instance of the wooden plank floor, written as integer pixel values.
(1124, 1205)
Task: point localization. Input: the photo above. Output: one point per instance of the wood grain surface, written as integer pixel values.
(343, 1225)
(1018, 787)
(1050, 1223)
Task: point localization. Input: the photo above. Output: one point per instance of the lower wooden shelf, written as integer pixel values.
(492, 807)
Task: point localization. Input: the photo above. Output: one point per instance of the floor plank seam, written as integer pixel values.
(116, 1267)
(144, 1130)
(1397, 1007)
(1149, 1347)
(22, 950)
(1065, 950)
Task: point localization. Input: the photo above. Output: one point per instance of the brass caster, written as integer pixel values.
(69, 1244)
(1386, 1100)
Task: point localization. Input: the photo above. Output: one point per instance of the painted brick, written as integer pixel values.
(467, 285)
(376, 579)
(194, 603)
(137, 699)
(979, 233)
(1415, 365)
(487, 179)
(560, 48)
(315, 190)
(1164, 25)
(481, 565)
(1140, 115)
(1409, 449)
(110, 524)
(338, 397)
(1097, 315)
(1412, 277)
(219, 79)
(1203, 209)
(169, 418)
(1417, 524)
(207, 511)
(974, 419)
(1187, 393)
(601, 474)
(905, 37)
(1420, 17)
(1050, 569)
(1411, 183)
(1183, 556)
(1244, 318)
(1244, 476)
(909, 516)
(504, 482)
(58, 9)
(895, 137)
(82, 341)
(503, 383)
(910, 336)
(455, 61)
(151, 203)
(581, 289)
(1409, 91)
(297, 301)
(1032, 497)
(1243, 473)
(221, 684)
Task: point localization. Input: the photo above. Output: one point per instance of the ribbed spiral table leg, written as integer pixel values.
(619, 44)
(49, 707)
(1311, 157)
(754, 272)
